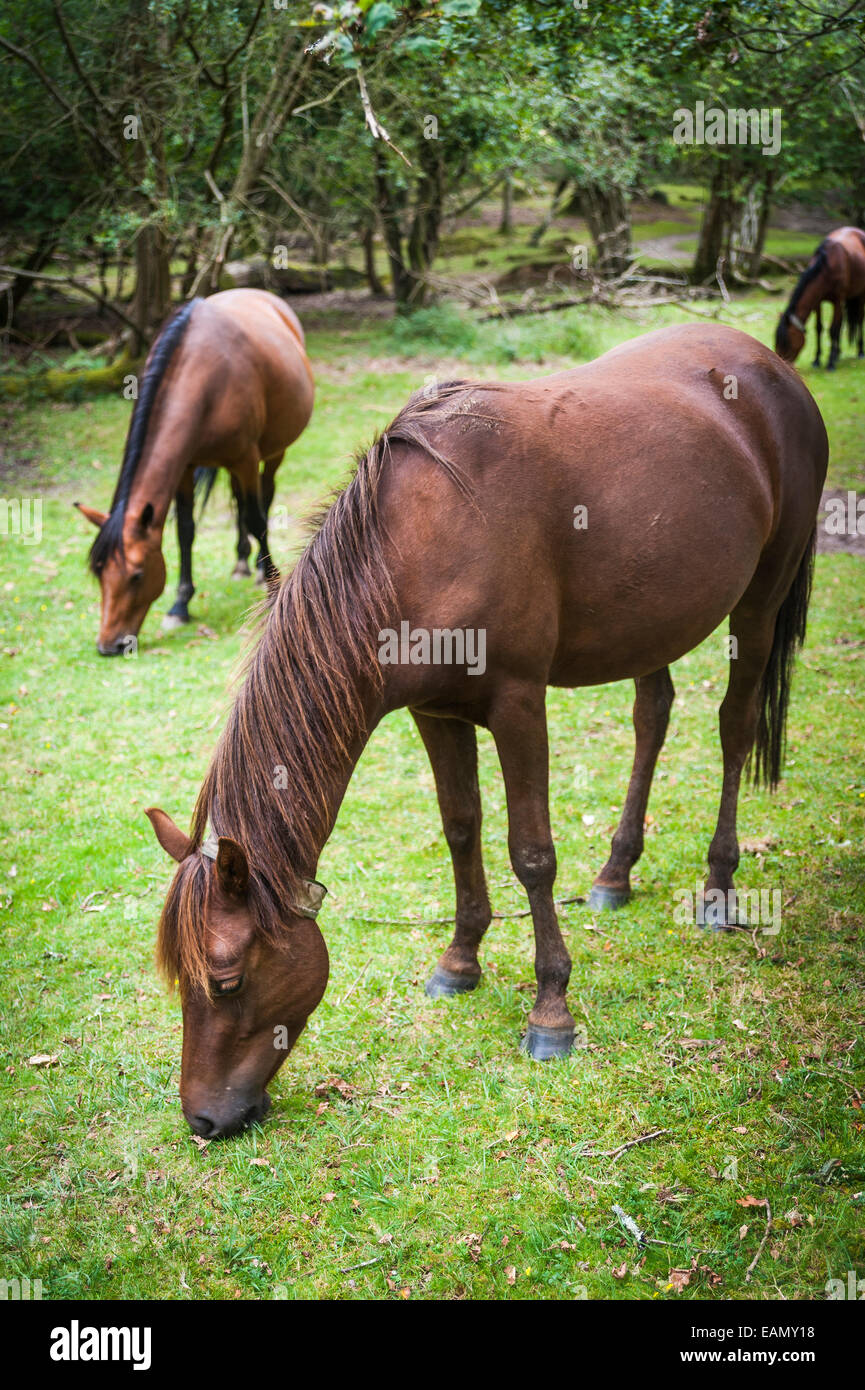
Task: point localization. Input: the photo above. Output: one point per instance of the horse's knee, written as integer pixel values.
(461, 833)
(534, 865)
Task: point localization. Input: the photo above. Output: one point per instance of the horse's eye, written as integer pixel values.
(224, 987)
(136, 576)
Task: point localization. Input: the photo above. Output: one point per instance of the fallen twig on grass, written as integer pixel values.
(629, 1224)
(364, 1264)
(630, 1144)
(753, 1265)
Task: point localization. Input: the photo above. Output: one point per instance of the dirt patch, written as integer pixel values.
(852, 542)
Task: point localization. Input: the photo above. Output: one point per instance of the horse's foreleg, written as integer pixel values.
(835, 334)
(179, 611)
(452, 749)
(818, 316)
(268, 485)
(519, 726)
(241, 569)
(652, 705)
(753, 630)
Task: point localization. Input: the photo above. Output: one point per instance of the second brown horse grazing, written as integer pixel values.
(228, 384)
(835, 272)
(450, 576)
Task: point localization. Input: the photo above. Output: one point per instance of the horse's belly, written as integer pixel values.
(644, 621)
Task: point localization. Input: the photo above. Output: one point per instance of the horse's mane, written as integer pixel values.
(301, 707)
(817, 263)
(110, 536)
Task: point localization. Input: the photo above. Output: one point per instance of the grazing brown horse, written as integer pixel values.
(835, 272)
(498, 538)
(227, 384)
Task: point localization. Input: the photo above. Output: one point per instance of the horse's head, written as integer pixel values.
(249, 977)
(127, 560)
(789, 336)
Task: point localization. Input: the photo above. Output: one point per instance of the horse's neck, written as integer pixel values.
(168, 451)
(811, 296)
(339, 777)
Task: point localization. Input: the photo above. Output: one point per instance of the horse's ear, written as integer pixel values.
(232, 868)
(146, 518)
(98, 518)
(169, 835)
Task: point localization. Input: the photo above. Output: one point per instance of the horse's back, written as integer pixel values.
(849, 245)
(633, 496)
(245, 349)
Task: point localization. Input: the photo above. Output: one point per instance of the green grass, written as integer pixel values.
(447, 1165)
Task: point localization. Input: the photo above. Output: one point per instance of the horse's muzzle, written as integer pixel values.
(222, 1122)
(120, 646)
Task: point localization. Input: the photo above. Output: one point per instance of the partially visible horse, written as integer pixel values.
(836, 272)
(226, 384)
(452, 577)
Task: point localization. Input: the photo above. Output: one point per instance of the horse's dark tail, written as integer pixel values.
(790, 624)
(854, 309)
(205, 479)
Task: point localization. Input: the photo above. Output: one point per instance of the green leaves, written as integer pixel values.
(378, 17)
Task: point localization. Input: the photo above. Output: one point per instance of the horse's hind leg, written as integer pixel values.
(835, 334)
(452, 749)
(178, 613)
(241, 569)
(519, 726)
(753, 628)
(268, 485)
(818, 318)
(652, 705)
(254, 516)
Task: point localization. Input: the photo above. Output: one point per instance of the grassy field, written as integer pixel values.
(412, 1151)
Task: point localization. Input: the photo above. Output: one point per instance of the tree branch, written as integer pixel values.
(76, 284)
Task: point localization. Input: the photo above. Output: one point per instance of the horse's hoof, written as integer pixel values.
(173, 620)
(241, 570)
(601, 896)
(543, 1043)
(260, 577)
(442, 984)
(715, 918)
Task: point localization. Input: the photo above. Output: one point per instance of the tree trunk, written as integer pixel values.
(754, 225)
(388, 211)
(426, 223)
(606, 212)
(542, 227)
(714, 228)
(151, 304)
(21, 285)
(372, 277)
(506, 224)
(191, 264)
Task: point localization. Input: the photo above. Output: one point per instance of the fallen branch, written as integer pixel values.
(787, 268)
(631, 1144)
(629, 1224)
(76, 284)
(753, 1265)
(364, 1264)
